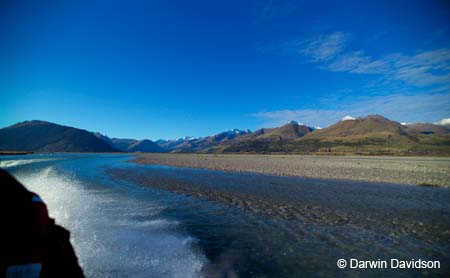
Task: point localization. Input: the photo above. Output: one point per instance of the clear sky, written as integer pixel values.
(166, 69)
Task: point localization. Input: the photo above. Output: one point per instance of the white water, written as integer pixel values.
(109, 234)
(18, 162)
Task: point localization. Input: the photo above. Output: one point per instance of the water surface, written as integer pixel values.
(131, 220)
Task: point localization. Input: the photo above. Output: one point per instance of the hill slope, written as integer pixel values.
(131, 145)
(268, 139)
(210, 143)
(172, 144)
(426, 128)
(145, 146)
(369, 135)
(370, 127)
(373, 135)
(41, 136)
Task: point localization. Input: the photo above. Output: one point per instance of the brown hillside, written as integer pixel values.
(427, 129)
(359, 128)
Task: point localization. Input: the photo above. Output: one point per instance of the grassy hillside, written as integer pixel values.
(370, 135)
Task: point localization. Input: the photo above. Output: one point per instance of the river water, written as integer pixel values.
(124, 227)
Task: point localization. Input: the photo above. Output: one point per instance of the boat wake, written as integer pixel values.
(116, 235)
(19, 162)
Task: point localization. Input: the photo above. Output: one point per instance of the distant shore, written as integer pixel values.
(425, 171)
(14, 152)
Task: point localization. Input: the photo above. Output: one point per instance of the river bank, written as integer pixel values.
(427, 171)
(352, 218)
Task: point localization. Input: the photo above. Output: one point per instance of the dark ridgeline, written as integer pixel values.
(368, 135)
(41, 136)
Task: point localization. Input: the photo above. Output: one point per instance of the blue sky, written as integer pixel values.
(166, 69)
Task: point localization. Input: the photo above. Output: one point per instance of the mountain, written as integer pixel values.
(444, 122)
(427, 128)
(170, 145)
(41, 136)
(375, 134)
(268, 139)
(210, 143)
(131, 145)
(290, 131)
(103, 138)
(367, 134)
(145, 146)
(122, 144)
(356, 128)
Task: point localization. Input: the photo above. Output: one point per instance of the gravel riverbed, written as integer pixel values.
(433, 171)
(336, 218)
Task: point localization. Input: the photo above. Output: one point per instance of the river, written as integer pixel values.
(175, 222)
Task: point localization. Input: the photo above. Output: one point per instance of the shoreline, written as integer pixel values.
(15, 152)
(424, 171)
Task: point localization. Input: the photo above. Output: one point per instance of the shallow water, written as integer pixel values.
(122, 227)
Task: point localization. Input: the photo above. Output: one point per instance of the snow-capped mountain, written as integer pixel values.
(348, 118)
(443, 122)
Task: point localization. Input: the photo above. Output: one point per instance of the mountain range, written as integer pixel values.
(130, 145)
(373, 134)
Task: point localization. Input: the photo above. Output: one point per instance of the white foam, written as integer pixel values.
(18, 162)
(157, 224)
(107, 238)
